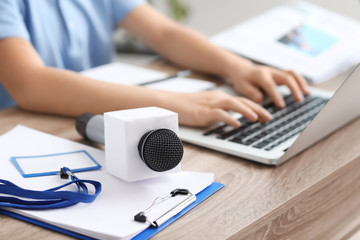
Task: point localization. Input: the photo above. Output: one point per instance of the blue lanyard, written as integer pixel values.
(49, 199)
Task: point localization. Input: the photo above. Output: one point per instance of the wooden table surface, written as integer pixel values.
(315, 195)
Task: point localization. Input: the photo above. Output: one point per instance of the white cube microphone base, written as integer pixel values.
(142, 143)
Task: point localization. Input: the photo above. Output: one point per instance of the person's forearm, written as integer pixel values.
(68, 93)
(39, 88)
(181, 45)
(191, 50)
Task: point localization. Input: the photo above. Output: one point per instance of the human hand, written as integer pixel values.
(206, 108)
(251, 79)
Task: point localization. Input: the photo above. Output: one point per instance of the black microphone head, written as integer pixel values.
(161, 149)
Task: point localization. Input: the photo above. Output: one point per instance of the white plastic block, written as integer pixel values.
(123, 131)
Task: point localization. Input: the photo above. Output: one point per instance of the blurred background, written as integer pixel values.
(212, 16)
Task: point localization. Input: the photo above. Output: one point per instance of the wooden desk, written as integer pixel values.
(315, 195)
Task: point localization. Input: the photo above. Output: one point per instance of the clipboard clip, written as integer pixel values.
(141, 216)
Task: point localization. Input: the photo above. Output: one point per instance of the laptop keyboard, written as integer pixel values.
(285, 124)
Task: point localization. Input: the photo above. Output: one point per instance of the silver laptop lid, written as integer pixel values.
(342, 108)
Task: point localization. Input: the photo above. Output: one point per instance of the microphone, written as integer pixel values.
(91, 127)
(160, 149)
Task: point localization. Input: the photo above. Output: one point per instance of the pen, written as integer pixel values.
(183, 73)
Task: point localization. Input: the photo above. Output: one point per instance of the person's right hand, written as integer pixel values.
(249, 79)
(205, 108)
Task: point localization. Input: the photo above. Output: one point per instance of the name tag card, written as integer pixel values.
(44, 165)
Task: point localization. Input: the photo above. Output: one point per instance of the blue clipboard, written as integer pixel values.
(146, 234)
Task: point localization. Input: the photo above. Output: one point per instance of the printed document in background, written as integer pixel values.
(311, 40)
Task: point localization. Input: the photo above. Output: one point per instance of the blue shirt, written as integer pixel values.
(69, 34)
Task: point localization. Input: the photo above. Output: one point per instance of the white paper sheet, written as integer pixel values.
(126, 74)
(110, 216)
(313, 41)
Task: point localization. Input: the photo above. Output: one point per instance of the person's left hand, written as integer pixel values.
(250, 79)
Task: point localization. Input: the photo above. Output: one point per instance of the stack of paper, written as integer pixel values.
(111, 215)
(126, 74)
(313, 41)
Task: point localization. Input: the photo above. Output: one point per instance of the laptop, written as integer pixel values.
(292, 129)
